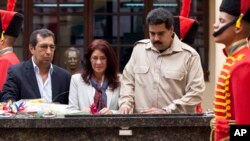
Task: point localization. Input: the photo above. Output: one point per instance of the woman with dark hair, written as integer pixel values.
(99, 83)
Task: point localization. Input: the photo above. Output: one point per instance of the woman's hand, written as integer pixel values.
(105, 111)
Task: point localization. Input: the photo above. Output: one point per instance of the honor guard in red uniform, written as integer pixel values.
(10, 27)
(186, 29)
(232, 98)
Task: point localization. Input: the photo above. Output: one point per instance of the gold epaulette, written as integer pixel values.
(240, 57)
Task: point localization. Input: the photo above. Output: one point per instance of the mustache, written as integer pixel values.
(157, 42)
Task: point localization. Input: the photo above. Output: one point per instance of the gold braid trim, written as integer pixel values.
(212, 133)
(231, 58)
(229, 65)
(224, 77)
(220, 116)
(223, 93)
(220, 110)
(220, 90)
(225, 139)
(212, 126)
(228, 107)
(220, 97)
(228, 114)
(220, 104)
(225, 70)
(226, 88)
(221, 84)
(228, 95)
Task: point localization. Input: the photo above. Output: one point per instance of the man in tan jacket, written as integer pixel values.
(163, 75)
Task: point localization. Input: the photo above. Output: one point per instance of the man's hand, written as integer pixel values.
(124, 110)
(153, 111)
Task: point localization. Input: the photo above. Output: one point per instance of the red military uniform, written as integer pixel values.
(232, 105)
(232, 91)
(6, 61)
(10, 27)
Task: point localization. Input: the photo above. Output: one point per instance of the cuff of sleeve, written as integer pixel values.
(114, 111)
(131, 110)
(170, 108)
(126, 104)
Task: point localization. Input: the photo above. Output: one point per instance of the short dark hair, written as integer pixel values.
(111, 72)
(159, 16)
(43, 33)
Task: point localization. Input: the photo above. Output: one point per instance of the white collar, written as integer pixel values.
(6, 50)
(37, 68)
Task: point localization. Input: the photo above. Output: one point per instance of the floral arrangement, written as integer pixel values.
(13, 107)
(93, 109)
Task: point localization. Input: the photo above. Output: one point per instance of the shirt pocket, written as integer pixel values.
(174, 75)
(174, 83)
(141, 75)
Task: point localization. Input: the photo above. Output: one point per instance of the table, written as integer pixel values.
(134, 127)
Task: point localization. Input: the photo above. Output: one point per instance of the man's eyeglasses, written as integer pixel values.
(44, 47)
(95, 59)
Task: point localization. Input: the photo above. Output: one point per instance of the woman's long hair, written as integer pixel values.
(111, 72)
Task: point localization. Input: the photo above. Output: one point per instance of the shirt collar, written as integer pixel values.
(6, 49)
(235, 47)
(176, 46)
(36, 68)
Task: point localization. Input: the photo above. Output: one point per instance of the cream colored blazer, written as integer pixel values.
(81, 95)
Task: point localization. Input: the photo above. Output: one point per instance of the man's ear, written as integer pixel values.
(31, 48)
(1, 41)
(172, 28)
(239, 30)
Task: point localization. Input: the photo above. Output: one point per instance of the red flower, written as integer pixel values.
(93, 109)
